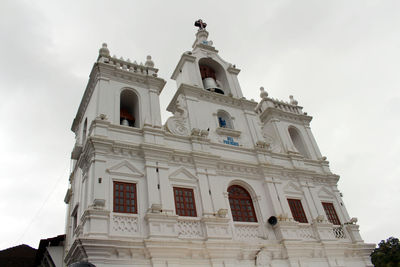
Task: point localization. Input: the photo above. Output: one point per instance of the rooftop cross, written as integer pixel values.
(199, 23)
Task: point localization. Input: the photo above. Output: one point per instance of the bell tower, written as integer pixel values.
(209, 89)
(205, 69)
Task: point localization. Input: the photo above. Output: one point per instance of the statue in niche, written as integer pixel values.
(178, 124)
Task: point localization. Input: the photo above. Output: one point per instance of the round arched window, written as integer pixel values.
(241, 204)
(298, 141)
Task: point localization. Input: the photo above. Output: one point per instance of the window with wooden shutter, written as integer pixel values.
(125, 199)
(331, 213)
(185, 204)
(297, 210)
(241, 204)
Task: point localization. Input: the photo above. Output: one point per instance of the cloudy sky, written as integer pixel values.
(340, 59)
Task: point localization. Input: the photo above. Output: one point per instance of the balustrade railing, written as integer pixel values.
(247, 231)
(189, 228)
(287, 107)
(339, 232)
(129, 66)
(126, 224)
(305, 232)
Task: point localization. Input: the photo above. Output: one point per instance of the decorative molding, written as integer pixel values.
(189, 228)
(125, 168)
(241, 170)
(183, 175)
(125, 224)
(178, 123)
(247, 231)
(273, 144)
(292, 189)
(228, 132)
(324, 193)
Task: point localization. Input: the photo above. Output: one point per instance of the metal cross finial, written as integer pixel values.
(199, 23)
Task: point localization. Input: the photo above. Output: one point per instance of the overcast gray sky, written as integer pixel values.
(340, 59)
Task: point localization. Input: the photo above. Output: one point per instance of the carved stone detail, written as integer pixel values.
(339, 232)
(189, 229)
(247, 232)
(125, 224)
(264, 258)
(178, 123)
(271, 143)
(305, 233)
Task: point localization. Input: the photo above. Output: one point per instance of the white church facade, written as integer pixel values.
(225, 181)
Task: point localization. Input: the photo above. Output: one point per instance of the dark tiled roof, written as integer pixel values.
(19, 256)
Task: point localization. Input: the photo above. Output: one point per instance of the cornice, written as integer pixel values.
(238, 168)
(233, 70)
(201, 94)
(135, 78)
(206, 48)
(187, 56)
(93, 78)
(101, 145)
(273, 113)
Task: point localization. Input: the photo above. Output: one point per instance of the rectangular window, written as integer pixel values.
(297, 210)
(184, 202)
(331, 213)
(125, 199)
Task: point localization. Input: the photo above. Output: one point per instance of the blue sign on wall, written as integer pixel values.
(229, 141)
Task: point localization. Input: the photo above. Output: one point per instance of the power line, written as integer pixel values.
(40, 209)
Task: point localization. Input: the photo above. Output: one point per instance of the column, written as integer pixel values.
(152, 183)
(166, 193)
(205, 191)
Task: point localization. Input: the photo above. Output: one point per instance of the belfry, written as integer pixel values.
(225, 181)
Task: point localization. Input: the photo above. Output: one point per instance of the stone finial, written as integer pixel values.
(149, 62)
(293, 101)
(263, 93)
(103, 51)
(222, 213)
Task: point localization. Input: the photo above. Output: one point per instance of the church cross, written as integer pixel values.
(199, 23)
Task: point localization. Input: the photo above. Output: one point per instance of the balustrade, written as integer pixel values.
(305, 232)
(339, 232)
(247, 231)
(189, 228)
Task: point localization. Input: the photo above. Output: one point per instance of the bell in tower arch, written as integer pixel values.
(211, 85)
(209, 79)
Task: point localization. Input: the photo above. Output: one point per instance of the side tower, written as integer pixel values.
(224, 182)
(119, 113)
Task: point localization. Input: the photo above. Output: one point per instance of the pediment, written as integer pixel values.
(125, 168)
(292, 188)
(183, 175)
(324, 193)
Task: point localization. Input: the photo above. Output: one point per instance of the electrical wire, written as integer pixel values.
(40, 209)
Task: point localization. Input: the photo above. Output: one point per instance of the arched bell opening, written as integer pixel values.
(213, 76)
(298, 141)
(129, 109)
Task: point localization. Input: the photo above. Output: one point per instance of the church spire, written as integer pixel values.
(202, 35)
